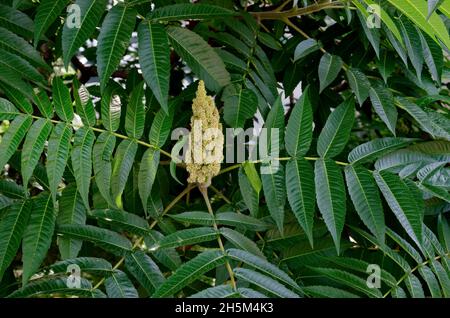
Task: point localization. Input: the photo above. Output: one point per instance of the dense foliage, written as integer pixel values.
(91, 90)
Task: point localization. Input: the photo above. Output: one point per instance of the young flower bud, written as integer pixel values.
(205, 148)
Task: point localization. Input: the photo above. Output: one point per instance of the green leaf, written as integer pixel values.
(373, 149)
(71, 211)
(414, 286)
(187, 237)
(397, 45)
(359, 84)
(168, 257)
(241, 241)
(16, 21)
(62, 100)
(427, 172)
(189, 272)
(10, 76)
(252, 175)
(147, 173)
(74, 37)
(200, 57)
(348, 279)
(145, 270)
(411, 37)
(240, 104)
(82, 161)
(7, 110)
(274, 191)
(417, 11)
(444, 232)
(433, 56)
(301, 194)
(11, 189)
(17, 98)
(436, 191)
(336, 132)
(444, 8)
(13, 137)
(58, 154)
(44, 105)
(442, 277)
(189, 11)
(154, 59)
(266, 283)
(361, 266)
(114, 37)
(402, 202)
(5, 201)
(12, 43)
(329, 68)
(250, 293)
(33, 146)
(118, 285)
(304, 48)
(221, 291)
(47, 12)
(86, 264)
(263, 266)
(372, 34)
(20, 67)
(38, 235)
(386, 65)
(302, 253)
(232, 62)
(240, 220)
(106, 239)
(135, 115)
(299, 127)
(122, 221)
(12, 227)
(249, 194)
(430, 279)
(84, 106)
(111, 107)
(57, 286)
(366, 199)
(101, 155)
(198, 218)
(433, 127)
(383, 103)
(330, 194)
(122, 164)
(272, 139)
(328, 292)
(267, 40)
(161, 126)
(386, 18)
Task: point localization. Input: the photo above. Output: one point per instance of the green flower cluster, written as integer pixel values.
(205, 149)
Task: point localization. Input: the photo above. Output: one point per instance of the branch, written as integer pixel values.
(141, 239)
(204, 192)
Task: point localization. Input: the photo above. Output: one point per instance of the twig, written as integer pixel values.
(204, 192)
(139, 241)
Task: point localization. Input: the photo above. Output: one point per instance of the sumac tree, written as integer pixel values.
(355, 92)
